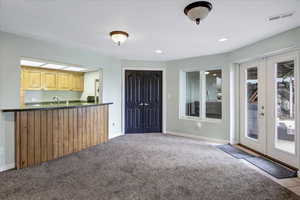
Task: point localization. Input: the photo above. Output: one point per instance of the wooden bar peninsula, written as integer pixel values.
(47, 133)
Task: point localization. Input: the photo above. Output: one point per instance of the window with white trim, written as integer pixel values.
(201, 94)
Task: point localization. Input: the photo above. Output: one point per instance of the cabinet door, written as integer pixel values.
(50, 80)
(32, 80)
(64, 81)
(81, 82)
(78, 82)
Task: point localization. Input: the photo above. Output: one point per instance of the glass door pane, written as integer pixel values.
(252, 103)
(192, 94)
(285, 107)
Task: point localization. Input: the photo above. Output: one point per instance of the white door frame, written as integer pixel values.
(260, 143)
(164, 90)
(289, 158)
(283, 55)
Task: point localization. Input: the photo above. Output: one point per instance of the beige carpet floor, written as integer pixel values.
(145, 167)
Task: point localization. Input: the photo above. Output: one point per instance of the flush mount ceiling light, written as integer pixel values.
(197, 11)
(119, 37)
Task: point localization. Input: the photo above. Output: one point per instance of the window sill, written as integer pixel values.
(198, 119)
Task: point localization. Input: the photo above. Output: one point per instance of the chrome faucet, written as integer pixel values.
(56, 99)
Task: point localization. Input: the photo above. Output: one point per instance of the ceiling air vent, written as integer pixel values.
(281, 16)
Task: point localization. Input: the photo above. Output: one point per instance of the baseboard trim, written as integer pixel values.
(198, 137)
(7, 167)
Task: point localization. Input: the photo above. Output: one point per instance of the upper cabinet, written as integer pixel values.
(64, 81)
(32, 79)
(78, 82)
(50, 80)
(45, 79)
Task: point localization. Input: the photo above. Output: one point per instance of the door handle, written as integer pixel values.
(145, 104)
(141, 104)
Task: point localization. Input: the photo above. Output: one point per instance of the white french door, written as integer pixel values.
(252, 90)
(283, 101)
(269, 92)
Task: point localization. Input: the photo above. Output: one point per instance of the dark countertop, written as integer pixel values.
(50, 106)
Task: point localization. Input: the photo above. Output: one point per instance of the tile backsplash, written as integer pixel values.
(46, 96)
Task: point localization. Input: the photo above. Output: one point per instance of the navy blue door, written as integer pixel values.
(143, 101)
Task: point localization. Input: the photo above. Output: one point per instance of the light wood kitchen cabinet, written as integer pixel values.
(32, 79)
(47, 79)
(50, 80)
(64, 80)
(78, 82)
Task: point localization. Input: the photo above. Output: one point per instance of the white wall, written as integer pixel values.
(143, 64)
(216, 130)
(13, 47)
(274, 44)
(229, 128)
(288, 40)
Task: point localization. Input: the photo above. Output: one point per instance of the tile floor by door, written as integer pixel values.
(292, 184)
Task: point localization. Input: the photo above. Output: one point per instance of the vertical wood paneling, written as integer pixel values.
(71, 130)
(60, 133)
(66, 132)
(105, 123)
(49, 134)
(55, 134)
(44, 135)
(17, 139)
(75, 129)
(31, 146)
(88, 127)
(96, 125)
(102, 125)
(24, 144)
(84, 129)
(92, 124)
(80, 116)
(37, 137)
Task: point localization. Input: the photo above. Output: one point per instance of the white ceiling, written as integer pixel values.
(152, 25)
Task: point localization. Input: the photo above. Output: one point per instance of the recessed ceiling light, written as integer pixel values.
(77, 69)
(158, 51)
(223, 39)
(206, 73)
(31, 63)
(54, 66)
